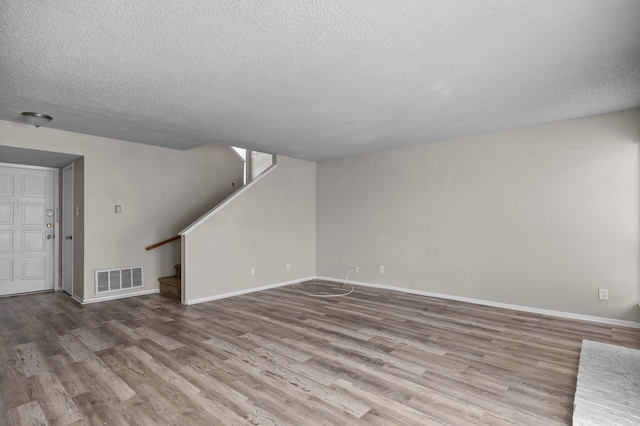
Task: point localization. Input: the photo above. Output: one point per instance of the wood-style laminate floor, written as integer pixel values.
(279, 357)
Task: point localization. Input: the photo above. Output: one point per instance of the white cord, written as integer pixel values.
(329, 295)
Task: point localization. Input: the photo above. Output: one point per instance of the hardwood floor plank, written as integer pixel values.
(90, 340)
(333, 326)
(285, 350)
(8, 355)
(371, 352)
(384, 404)
(69, 375)
(27, 414)
(375, 417)
(398, 342)
(128, 335)
(218, 391)
(106, 380)
(159, 338)
(273, 401)
(15, 388)
(154, 395)
(297, 367)
(446, 408)
(30, 358)
(53, 397)
(144, 312)
(75, 348)
(97, 412)
(144, 410)
(264, 372)
(215, 410)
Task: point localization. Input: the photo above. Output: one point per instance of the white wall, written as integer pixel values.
(540, 216)
(266, 227)
(260, 162)
(161, 191)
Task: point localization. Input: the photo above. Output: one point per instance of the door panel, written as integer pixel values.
(26, 230)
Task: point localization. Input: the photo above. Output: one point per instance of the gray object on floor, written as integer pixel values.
(608, 389)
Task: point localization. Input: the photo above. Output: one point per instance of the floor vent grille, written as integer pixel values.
(119, 279)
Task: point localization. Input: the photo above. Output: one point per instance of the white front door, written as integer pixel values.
(67, 229)
(27, 220)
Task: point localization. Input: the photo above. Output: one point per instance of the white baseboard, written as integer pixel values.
(114, 296)
(240, 292)
(521, 308)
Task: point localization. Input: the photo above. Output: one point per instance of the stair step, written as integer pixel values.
(171, 287)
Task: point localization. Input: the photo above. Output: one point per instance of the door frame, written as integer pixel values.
(67, 214)
(56, 209)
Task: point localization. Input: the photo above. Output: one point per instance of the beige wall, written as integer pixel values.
(161, 191)
(266, 227)
(540, 216)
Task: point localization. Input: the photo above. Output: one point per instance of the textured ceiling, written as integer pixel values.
(314, 79)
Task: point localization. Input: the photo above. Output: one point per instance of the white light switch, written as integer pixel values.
(603, 294)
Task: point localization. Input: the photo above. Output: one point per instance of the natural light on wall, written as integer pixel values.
(255, 163)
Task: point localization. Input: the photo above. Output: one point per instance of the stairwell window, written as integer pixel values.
(255, 162)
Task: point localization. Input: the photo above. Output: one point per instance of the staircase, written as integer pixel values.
(256, 165)
(172, 286)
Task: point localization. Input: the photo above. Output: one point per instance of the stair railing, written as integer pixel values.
(161, 243)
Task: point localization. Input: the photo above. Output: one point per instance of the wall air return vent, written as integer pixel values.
(119, 279)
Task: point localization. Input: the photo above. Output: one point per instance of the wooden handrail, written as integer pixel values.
(161, 243)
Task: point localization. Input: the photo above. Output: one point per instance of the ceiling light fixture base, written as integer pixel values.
(36, 118)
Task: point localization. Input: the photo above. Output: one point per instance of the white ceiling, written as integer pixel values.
(314, 79)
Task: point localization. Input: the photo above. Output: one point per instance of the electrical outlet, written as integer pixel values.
(288, 266)
(603, 294)
(357, 268)
(381, 269)
(253, 271)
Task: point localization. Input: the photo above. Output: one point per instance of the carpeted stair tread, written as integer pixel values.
(172, 280)
(171, 286)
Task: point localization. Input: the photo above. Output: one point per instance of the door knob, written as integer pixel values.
(49, 237)
(68, 237)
